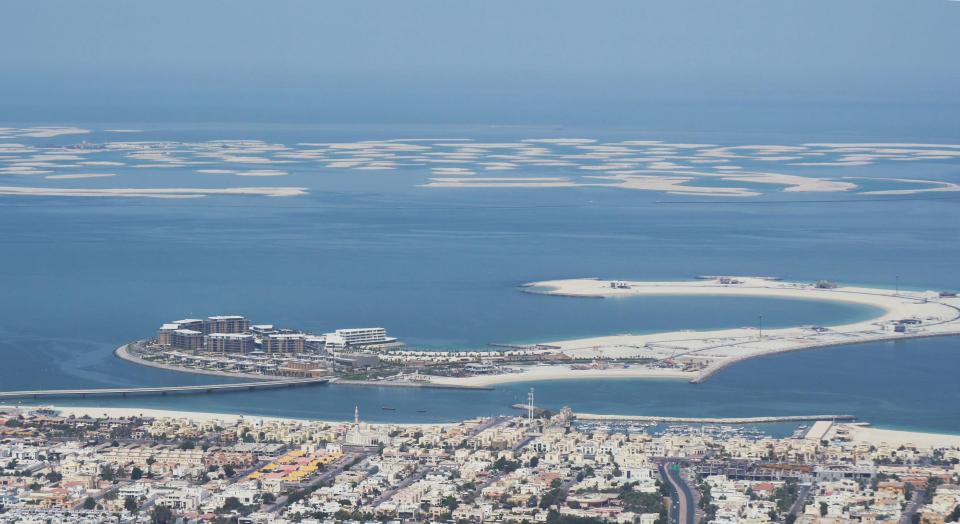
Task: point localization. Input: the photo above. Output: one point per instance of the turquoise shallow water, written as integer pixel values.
(440, 268)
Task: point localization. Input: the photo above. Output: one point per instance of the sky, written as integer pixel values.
(540, 61)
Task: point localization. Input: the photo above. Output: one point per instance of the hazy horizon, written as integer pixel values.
(683, 65)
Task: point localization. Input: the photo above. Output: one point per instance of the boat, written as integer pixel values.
(386, 408)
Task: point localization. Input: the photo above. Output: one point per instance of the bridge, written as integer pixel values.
(164, 390)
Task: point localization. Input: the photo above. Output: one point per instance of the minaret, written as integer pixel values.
(530, 406)
(356, 415)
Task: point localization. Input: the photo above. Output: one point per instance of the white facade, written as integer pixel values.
(342, 338)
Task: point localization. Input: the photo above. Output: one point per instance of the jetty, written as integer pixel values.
(163, 390)
(713, 420)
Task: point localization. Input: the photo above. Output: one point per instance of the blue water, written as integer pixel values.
(897, 384)
(441, 268)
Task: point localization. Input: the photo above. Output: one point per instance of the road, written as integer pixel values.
(907, 516)
(802, 495)
(685, 509)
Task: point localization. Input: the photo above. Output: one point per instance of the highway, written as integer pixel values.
(208, 388)
(684, 510)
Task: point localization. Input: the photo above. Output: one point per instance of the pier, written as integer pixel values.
(164, 390)
(702, 420)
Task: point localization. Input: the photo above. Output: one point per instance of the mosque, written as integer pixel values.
(361, 434)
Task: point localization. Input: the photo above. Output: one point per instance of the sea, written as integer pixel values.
(442, 268)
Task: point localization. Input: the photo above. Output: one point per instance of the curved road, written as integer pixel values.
(686, 512)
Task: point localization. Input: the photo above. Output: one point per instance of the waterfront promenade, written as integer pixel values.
(201, 389)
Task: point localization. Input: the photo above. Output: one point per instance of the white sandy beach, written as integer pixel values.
(935, 316)
(897, 438)
(564, 372)
(858, 433)
(196, 416)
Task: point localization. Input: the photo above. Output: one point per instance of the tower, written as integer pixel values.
(356, 415)
(530, 406)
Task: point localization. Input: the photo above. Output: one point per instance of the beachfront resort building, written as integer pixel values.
(229, 343)
(234, 334)
(186, 339)
(354, 337)
(283, 343)
(226, 324)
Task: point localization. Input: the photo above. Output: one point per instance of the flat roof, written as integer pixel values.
(818, 430)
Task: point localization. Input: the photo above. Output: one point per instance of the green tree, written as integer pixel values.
(54, 476)
(107, 473)
(823, 509)
(231, 504)
(89, 503)
(136, 473)
(161, 515)
(130, 504)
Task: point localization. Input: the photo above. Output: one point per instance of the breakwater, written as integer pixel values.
(399, 384)
(711, 420)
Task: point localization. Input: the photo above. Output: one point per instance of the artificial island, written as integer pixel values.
(133, 465)
(230, 345)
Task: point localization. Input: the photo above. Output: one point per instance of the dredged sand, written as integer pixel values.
(713, 350)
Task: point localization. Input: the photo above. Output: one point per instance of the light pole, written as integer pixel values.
(761, 327)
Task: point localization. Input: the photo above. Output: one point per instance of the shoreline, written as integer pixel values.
(709, 351)
(710, 372)
(934, 316)
(858, 432)
(551, 372)
(197, 416)
(123, 352)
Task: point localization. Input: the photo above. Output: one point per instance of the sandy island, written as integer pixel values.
(926, 314)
